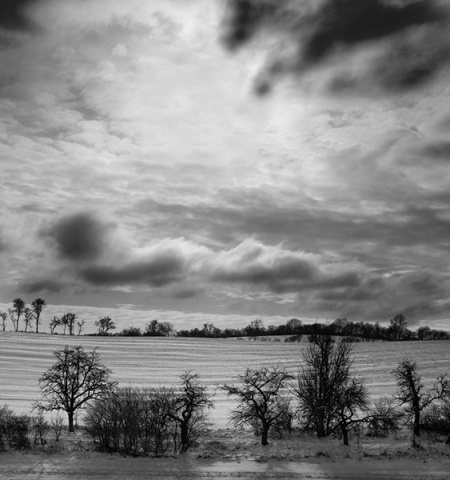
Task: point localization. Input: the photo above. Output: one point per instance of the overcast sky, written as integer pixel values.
(172, 159)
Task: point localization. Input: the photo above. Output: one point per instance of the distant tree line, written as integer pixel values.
(293, 330)
(396, 330)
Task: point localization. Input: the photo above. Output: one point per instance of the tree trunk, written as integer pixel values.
(184, 438)
(265, 435)
(70, 415)
(320, 427)
(417, 423)
(344, 433)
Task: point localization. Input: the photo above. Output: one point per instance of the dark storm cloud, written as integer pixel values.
(156, 272)
(437, 150)
(80, 236)
(13, 14)
(282, 275)
(48, 285)
(412, 35)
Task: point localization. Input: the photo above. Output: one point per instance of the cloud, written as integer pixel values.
(418, 294)
(388, 44)
(158, 269)
(14, 14)
(252, 276)
(438, 151)
(3, 241)
(278, 270)
(35, 285)
(254, 263)
(79, 236)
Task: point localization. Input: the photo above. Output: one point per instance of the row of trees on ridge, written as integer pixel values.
(294, 328)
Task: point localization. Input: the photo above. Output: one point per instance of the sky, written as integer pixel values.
(208, 161)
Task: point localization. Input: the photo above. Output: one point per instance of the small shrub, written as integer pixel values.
(294, 339)
(14, 430)
(39, 429)
(384, 418)
(436, 419)
(57, 425)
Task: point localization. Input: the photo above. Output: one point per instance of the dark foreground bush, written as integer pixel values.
(149, 421)
(14, 430)
(20, 432)
(436, 419)
(384, 418)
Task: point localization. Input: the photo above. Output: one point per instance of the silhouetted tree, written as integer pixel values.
(3, 317)
(261, 403)
(152, 328)
(131, 332)
(398, 326)
(104, 324)
(28, 317)
(76, 378)
(294, 326)
(188, 406)
(80, 325)
(68, 320)
(412, 393)
(255, 328)
(423, 333)
(16, 312)
(329, 396)
(55, 322)
(37, 306)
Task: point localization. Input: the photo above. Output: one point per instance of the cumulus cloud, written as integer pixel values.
(387, 43)
(97, 253)
(277, 269)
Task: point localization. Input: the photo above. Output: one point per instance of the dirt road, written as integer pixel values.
(95, 467)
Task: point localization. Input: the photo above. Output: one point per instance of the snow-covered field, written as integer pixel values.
(226, 453)
(158, 361)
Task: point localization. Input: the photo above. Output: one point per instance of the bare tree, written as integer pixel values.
(384, 418)
(261, 403)
(255, 328)
(398, 326)
(159, 329)
(152, 328)
(352, 401)
(412, 393)
(104, 324)
(166, 329)
(188, 406)
(68, 320)
(80, 325)
(327, 392)
(3, 317)
(37, 306)
(28, 317)
(55, 322)
(16, 312)
(134, 421)
(76, 378)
